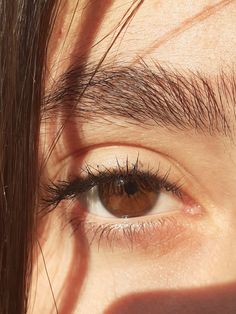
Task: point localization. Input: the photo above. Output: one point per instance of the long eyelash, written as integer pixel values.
(71, 189)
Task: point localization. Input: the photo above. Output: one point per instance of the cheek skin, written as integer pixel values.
(194, 257)
(191, 267)
(60, 263)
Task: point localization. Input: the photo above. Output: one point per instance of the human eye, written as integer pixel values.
(124, 196)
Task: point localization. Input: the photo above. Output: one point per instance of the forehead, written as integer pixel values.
(195, 35)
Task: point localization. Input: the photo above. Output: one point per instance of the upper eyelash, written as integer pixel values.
(57, 192)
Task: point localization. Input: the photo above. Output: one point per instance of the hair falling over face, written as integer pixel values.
(24, 31)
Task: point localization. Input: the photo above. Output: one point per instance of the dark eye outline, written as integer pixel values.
(92, 177)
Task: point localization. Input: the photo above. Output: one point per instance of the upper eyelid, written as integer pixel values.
(149, 159)
(69, 189)
(164, 96)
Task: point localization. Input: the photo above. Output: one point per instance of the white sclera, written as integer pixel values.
(166, 202)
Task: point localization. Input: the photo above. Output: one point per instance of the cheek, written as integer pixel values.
(200, 268)
(59, 267)
(84, 278)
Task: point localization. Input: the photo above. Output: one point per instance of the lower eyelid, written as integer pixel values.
(158, 235)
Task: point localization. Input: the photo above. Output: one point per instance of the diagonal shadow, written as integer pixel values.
(219, 299)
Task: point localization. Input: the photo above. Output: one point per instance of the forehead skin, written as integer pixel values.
(195, 35)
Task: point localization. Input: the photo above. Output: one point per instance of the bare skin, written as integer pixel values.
(183, 267)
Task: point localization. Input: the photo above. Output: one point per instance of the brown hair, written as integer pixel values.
(25, 29)
(24, 32)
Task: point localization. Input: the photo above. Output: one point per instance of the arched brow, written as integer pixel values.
(147, 95)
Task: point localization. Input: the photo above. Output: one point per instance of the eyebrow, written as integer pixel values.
(147, 95)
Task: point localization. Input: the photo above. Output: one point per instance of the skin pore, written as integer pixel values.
(181, 257)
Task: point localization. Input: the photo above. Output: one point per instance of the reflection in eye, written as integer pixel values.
(123, 191)
(127, 198)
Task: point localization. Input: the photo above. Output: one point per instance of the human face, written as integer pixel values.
(151, 136)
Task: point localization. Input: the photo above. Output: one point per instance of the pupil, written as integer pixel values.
(126, 198)
(130, 187)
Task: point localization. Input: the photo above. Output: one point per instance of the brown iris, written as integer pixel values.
(127, 197)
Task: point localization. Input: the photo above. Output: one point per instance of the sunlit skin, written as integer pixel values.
(191, 270)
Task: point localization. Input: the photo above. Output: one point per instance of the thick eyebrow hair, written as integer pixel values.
(147, 95)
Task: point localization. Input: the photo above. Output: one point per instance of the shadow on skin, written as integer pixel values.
(77, 273)
(91, 21)
(213, 299)
(94, 14)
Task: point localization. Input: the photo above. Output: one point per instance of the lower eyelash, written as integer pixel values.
(161, 233)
